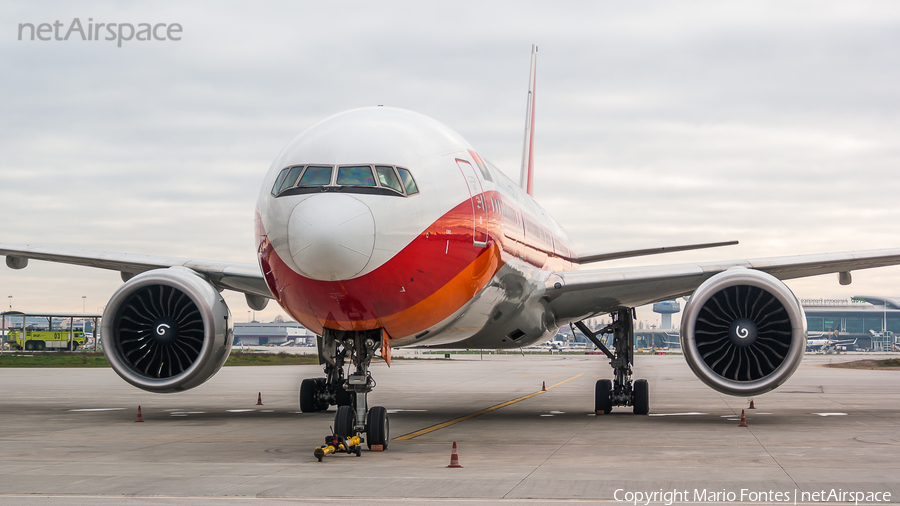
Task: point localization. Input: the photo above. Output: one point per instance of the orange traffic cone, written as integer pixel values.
(454, 457)
(543, 386)
(752, 406)
(743, 420)
(259, 399)
(139, 417)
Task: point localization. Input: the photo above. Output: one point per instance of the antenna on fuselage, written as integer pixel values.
(526, 176)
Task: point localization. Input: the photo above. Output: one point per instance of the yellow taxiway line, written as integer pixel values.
(439, 426)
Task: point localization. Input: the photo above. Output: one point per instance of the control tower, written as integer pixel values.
(666, 309)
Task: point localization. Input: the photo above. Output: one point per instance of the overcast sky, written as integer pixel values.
(657, 123)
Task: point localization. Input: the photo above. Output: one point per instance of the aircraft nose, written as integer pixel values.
(331, 236)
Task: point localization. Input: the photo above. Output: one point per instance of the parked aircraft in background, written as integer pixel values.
(380, 228)
(829, 344)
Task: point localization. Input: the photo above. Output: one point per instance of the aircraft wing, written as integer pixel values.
(244, 278)
(575, 295)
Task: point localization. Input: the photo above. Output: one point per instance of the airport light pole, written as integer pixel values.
(83, 303)
(10, 302)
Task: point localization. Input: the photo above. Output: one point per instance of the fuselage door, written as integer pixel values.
(479, 210)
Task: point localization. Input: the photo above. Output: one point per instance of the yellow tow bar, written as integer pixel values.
(334, 444)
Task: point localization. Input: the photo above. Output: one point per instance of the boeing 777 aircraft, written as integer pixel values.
(380, 228)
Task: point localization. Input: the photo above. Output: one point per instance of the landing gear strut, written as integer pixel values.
(622, 391)
(337, 348)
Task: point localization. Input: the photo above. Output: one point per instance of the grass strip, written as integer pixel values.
(97, 359)
(251, 358)
(891, 364)
(53, 359)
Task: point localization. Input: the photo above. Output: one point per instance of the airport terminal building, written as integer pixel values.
(275, 333)
(871, 321)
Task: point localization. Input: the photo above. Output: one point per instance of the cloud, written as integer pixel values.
(657, 123)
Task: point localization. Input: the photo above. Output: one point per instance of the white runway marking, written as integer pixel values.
(98, 409)
(692, 413)
(239, 410)
(390, 411)
(829, 414)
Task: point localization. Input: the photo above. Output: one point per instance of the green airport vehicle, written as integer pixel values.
(45, 339)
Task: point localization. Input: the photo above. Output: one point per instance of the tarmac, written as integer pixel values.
(67, 436)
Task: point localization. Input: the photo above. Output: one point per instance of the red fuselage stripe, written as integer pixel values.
(427, 281)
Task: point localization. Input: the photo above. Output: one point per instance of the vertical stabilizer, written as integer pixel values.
(526, 177)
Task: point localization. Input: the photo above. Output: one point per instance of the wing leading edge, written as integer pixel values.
(244, 278)
(576, 295)
(572, 295)
(615, 255)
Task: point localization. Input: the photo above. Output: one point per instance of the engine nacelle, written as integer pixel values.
(167, 330)
(743, 332)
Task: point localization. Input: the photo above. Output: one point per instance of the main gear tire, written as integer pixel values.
(308, 401)
(321, 385)
(641, 397)
(602, 397)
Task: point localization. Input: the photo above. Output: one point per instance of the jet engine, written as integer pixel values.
(167, 330)
(743, 332)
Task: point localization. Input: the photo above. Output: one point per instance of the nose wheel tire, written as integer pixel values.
(377, 427)
(641, 397)
(602, 401)
(344, 421)
(345, 397)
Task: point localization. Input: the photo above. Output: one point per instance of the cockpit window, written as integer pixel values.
(290, 179)
(355, 176)
(278, 181)
(315, 176)
(388, 180)
(408, 182)
(387, 177)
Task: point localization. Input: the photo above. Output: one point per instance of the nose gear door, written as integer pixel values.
(479, 209)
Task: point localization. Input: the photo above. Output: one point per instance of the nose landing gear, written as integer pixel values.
(353, 416)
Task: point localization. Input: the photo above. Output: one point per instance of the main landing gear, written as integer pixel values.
(622, 391)
(337, 348)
